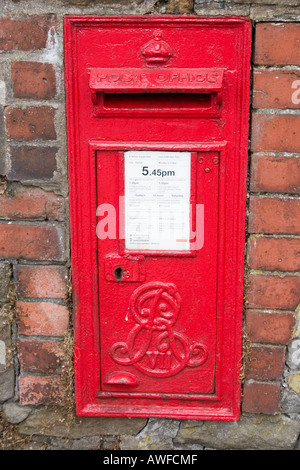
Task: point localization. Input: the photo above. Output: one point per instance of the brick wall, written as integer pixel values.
(273, 249)
(34, 239)
(34, 233)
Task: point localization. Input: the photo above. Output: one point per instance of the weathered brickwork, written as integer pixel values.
(33, 209)
(25, 34)
(29, 163)
(33, 80)
(36, 313)
(273, 287)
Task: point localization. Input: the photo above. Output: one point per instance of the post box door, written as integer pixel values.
(158, 298)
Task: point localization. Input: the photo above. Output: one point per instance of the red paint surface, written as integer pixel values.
(166, 340)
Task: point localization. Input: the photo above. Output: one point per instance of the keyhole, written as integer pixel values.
(119, 273)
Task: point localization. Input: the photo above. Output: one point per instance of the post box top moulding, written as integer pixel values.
(129, 20)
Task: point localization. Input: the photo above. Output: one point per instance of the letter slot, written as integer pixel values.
(174, 91)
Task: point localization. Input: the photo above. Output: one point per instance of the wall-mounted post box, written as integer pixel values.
(158, 135)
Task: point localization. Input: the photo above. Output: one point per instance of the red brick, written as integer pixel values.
(274, 89)
(33, 80)
(38, 390)
(275, 132)
(30, 123)
(31, 163)
(31, 242)
(274, 215)
(274, 292)
(25, 35)
(42, 318)
(275, 174)
(40, 356)
(41, 281)
(259, 397)
(277, 44)
(31, 203)
(266, 362)
(270, 327)
(271, 254)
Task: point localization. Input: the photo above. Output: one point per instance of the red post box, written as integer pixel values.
(158, 132)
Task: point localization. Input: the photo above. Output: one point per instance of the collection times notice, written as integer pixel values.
(157, 200)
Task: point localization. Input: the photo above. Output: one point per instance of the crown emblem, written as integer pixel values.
(157, 51)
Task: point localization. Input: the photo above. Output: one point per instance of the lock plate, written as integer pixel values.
(132, 269)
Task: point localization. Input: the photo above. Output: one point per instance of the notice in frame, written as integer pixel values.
(157, 200)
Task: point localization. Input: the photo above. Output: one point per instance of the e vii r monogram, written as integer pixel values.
(152, 346)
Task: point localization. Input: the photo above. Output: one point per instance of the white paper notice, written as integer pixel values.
(157, 200)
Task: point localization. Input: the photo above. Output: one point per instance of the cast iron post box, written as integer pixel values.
(158, 133)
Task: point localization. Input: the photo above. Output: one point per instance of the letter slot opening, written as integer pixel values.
(157, 101)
